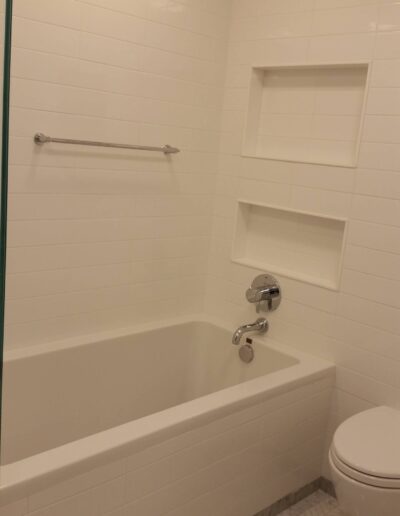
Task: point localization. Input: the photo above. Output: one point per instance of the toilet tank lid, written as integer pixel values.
(370, 442)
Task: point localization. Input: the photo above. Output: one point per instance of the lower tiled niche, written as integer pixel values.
(303, 246)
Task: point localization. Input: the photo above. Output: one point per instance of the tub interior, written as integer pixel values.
(48, 400)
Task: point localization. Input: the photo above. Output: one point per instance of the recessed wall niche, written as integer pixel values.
(295, 244)
(308, 113)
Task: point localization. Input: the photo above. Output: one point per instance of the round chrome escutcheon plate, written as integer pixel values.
(246, 353)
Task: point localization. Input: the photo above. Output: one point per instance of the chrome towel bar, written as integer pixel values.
(41, 139)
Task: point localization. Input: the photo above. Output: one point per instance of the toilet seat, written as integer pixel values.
(359, 476)
(366, 448)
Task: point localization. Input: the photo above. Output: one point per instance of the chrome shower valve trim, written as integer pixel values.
(265, 292)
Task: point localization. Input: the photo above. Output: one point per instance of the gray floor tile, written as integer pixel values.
(318, 504)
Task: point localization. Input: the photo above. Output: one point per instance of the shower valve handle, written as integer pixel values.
(265, 292)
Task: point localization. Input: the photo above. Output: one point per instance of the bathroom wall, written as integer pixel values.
(358, 326)
(98, 238)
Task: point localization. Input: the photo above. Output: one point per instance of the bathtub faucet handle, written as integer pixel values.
(265, 292)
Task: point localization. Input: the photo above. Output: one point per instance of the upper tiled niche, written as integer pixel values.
(306, 113)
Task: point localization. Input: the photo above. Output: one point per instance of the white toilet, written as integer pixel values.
(365, 463)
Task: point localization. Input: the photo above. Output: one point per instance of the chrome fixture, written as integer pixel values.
(246, 353)
(260, 326)
(265, 291)
(41, 139)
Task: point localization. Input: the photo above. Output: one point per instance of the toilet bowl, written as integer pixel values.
(364, 458)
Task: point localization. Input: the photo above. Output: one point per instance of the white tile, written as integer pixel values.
(387, 45)
(331, 4)
(341, 48)
(372, 286)
(371, 261)
(383, 101)
(366, 337)
(283, 50)
(49, 12)
(389, 17)
(386, 73)
(350, 20)
(384, 156)
(375, 236)
(18, 508)
(377, 210)
(138, 8)
(381, 129)
(109, 496)
(341, 180)
(361, 310)
(283, 25)
(75, 485)
(285, 6)
(80, 505)
(113, 24)
(378, 183)
(34, 35)
(322, 202)
(109, 51)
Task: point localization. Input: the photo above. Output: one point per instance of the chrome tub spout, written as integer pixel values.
(260, 326)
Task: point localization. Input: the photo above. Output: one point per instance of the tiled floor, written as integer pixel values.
(317, 504)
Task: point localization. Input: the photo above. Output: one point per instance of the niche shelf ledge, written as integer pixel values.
(299, 245)
(308, 113)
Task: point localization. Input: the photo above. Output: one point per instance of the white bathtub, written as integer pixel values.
(166, 420)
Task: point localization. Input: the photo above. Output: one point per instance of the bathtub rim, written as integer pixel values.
(31, 474)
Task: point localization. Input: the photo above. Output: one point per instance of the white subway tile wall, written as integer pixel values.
(358, 326)
(100, 239)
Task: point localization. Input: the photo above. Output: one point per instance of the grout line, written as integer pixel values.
(112, 286)
(106, 64)
(112, 93)
(117, 119)
(81, 31)
(150, 20)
